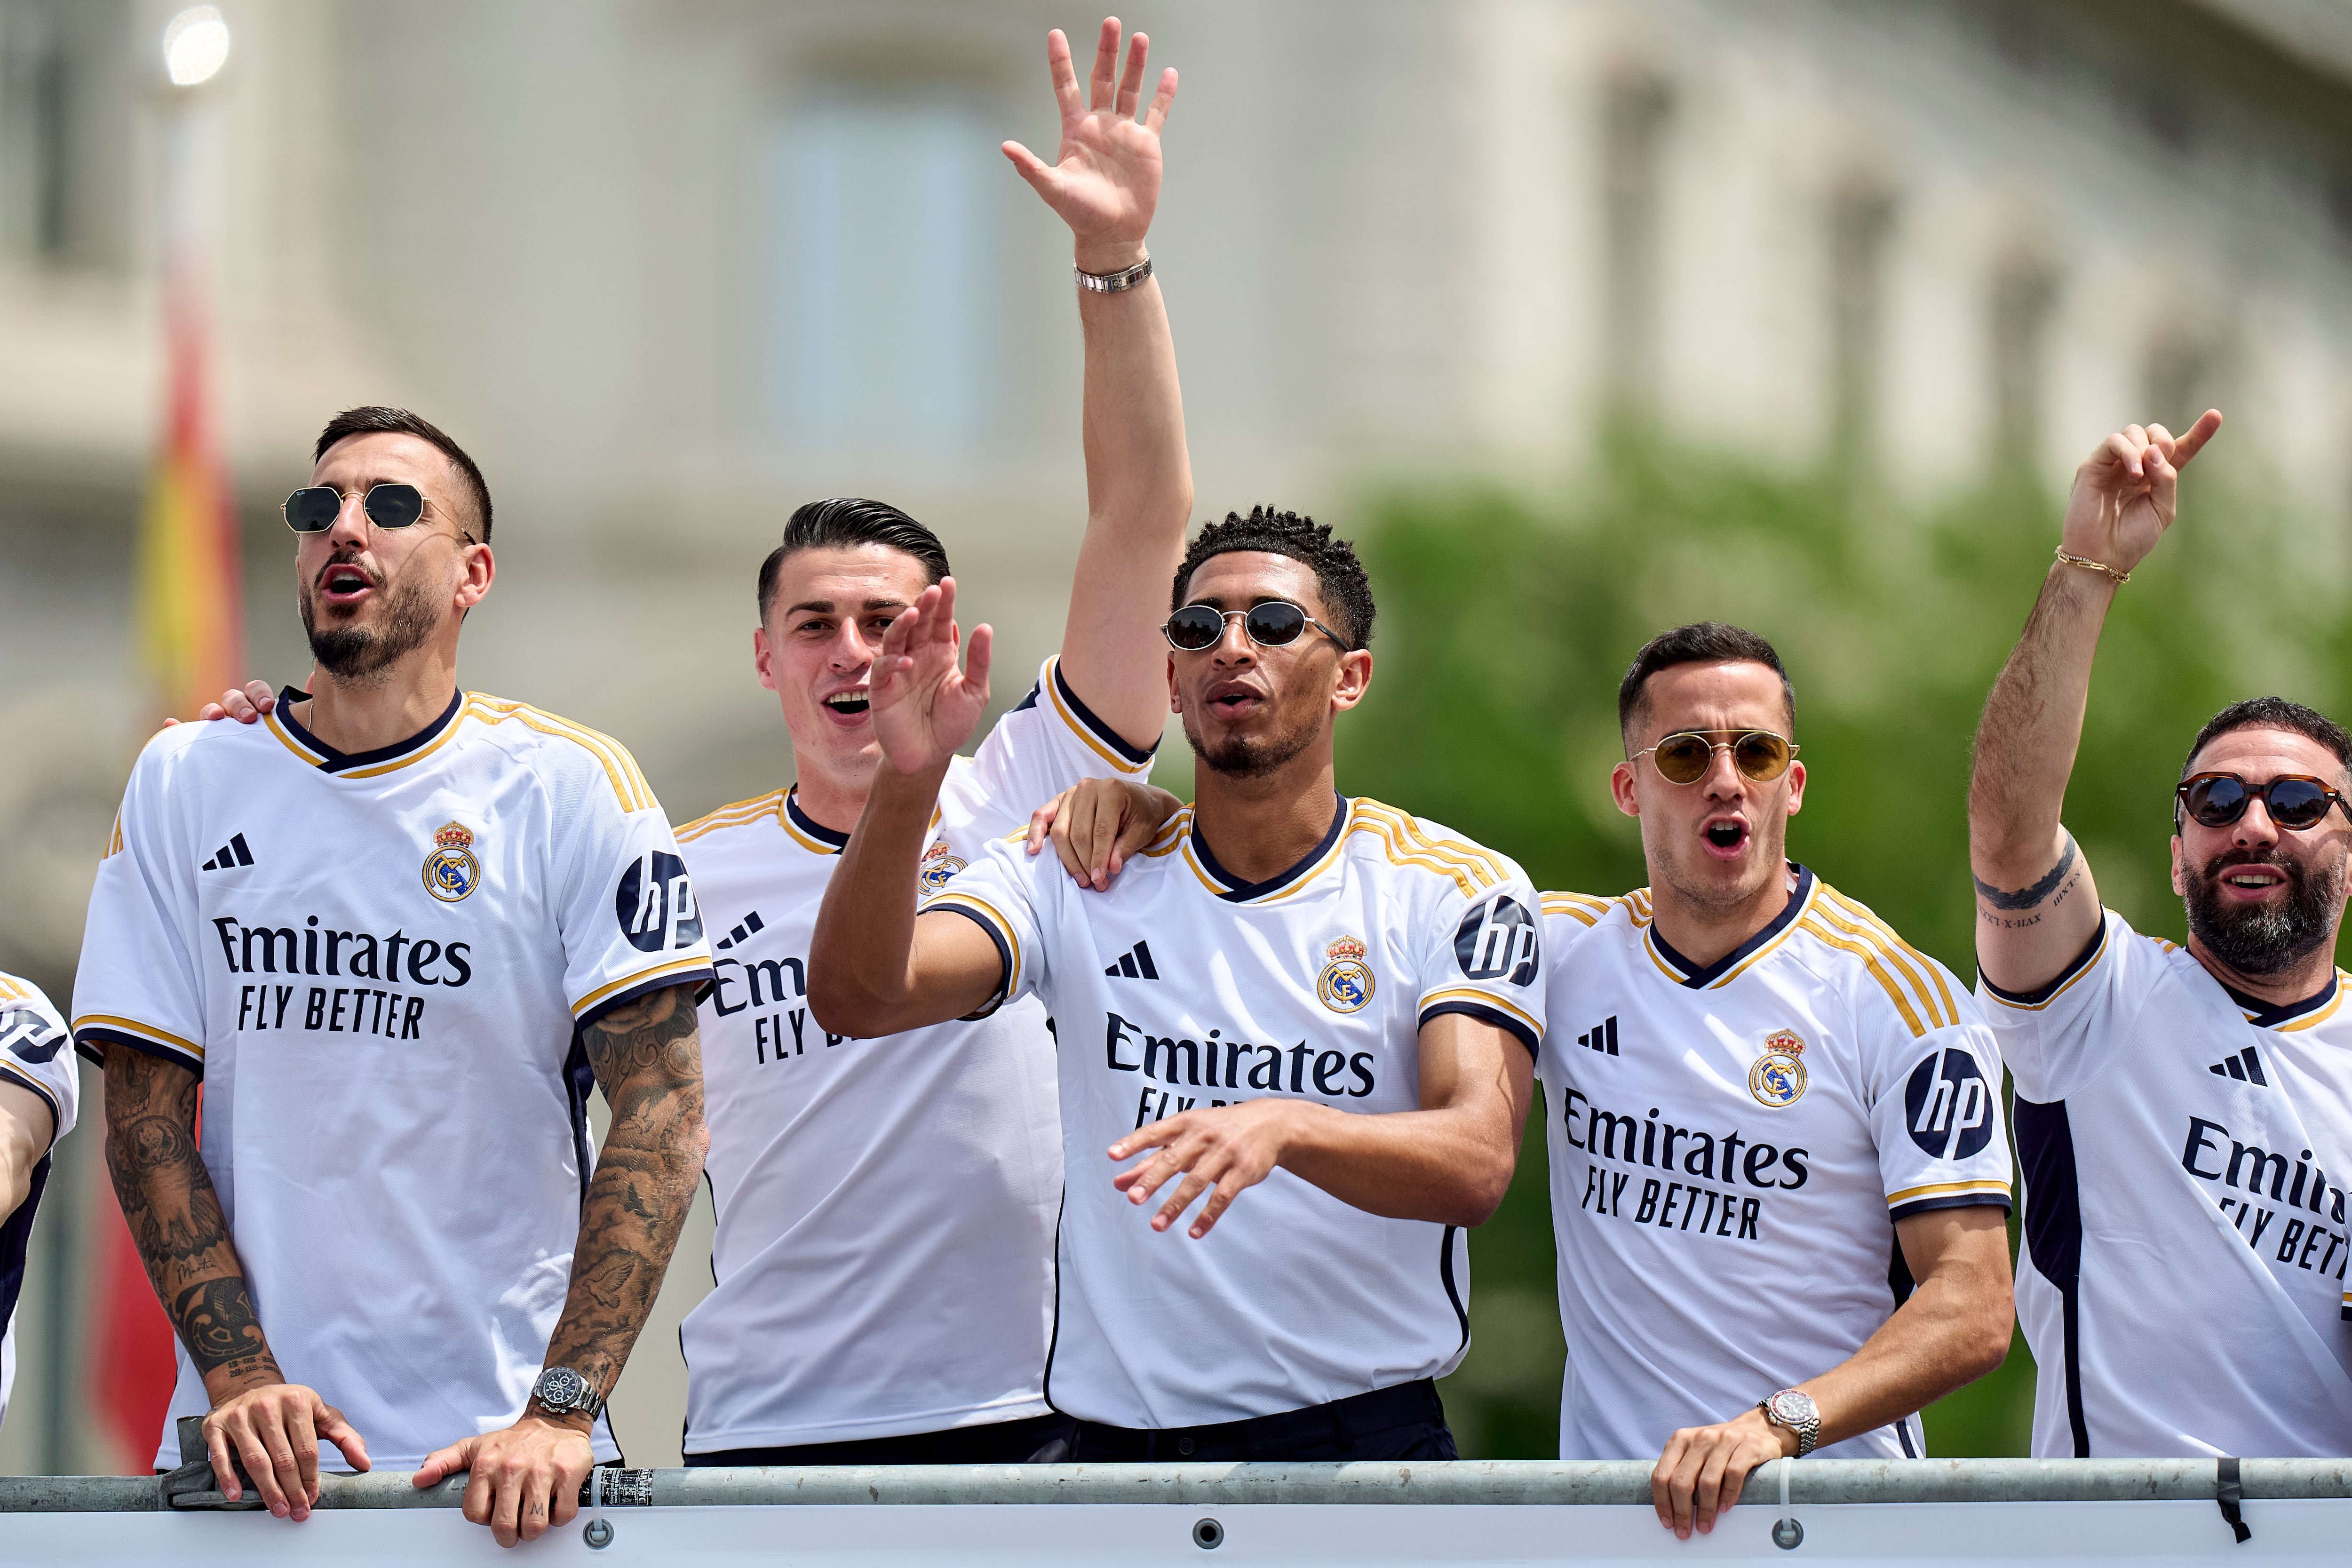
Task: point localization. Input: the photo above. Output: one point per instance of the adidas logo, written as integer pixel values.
(750, 925)
(1135, 963)
(233, 853)
(1603, 1037)
(2245, 1066)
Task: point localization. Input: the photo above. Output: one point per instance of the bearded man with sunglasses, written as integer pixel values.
(1779, 1182)
(396, 931)
(2183, 1114)
(1328, 1046)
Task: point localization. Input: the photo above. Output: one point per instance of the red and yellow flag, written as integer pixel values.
(191, 609)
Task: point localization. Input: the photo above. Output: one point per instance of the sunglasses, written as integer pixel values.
(1684, 759)
(2292, 800)
(1278, 623)
(313, 509)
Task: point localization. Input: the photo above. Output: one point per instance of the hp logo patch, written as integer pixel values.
(28, 1037)
(656, 904)
(1949, 1105)
(1495, 940)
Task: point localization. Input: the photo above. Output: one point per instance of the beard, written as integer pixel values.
(1248, 757)
(2263, 939)
(1686, 876)
(363, 656)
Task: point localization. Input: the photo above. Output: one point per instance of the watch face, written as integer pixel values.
(559, 1387)
(1790, 1407)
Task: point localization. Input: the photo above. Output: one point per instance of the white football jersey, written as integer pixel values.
(2183, 1149)
(1730, 1148)
(885, 1255)
(380, 965)
(1182, 987)
(33, 1055)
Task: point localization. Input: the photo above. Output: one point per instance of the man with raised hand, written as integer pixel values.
(2184, 1115)
(1779, 1182)
(884, 1259)
(1314, 1015)
(38, 1093)
(397, 930)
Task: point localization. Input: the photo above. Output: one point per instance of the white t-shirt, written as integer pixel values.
(2184, 1154)
(885, 1255)
(33, 1055)
(379, 964)
(1730, 1149)
(1181, 987)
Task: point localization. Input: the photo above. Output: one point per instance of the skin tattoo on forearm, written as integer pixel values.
(2051, 889)
(647, 1058)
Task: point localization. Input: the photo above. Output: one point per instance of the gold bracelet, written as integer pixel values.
(2089, 565)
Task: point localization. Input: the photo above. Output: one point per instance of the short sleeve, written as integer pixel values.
(2057, 1038)
(1936, 1118)
(138, 983)
(1044, 745)
(998, 892)
(1481, 952)
(34, 1051)
(630, 921)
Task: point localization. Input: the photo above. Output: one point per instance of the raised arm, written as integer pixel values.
(1104, 184)
(176, 1221)
(2037, 907)
(874, 968)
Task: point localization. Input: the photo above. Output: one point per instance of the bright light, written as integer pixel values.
(196, 45)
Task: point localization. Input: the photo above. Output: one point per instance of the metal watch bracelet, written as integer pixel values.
(1117, 282)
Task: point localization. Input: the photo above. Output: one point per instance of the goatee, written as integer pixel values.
(2263, 939)
(1248, 757)
(363, 656)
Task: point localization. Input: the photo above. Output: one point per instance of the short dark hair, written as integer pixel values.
(1339, 578)
(2273, 713)
(374, 419)
(1701, 642)
(845, 520)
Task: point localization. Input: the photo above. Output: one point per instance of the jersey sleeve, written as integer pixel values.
(33, 1051)
(138, 983)
(1481, 948)
(1044, 745)
(630, 921)
(2057, 1038)
(1935, 1117)
(999, 893)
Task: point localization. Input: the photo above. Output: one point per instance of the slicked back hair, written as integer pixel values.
(1701, 642)
(1339, 578)
(374, 419)
(2271, 713)
(845, 522)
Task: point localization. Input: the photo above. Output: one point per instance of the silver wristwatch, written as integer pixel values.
(1796, 1411)
(564, 1392)
(1118, 282)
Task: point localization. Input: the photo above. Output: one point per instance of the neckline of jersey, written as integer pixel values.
(1698, 979)
(332, 761)
(1236, 891)
(803, 823)
(2264, 1014)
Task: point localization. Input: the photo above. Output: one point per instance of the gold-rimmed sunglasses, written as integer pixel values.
(1683, 758)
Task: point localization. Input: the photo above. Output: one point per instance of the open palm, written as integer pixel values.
(2128, 492)
(925, 707)
(1104, 182)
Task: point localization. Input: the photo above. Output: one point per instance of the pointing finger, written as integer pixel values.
(2193, 440)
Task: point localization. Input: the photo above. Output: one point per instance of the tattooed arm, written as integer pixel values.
(647, 1057)
(175, 1219)
(2037, 907)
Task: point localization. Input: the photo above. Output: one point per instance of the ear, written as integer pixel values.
(1796, 788)
(1620, 789)
(1354, 679)
(763, 658)
(479, 568)
(1175, 697)
(2178, 890)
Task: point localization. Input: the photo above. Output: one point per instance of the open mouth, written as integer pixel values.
(1725, 837)
(344, 584)
(1232, 700)
(853, 704)
(2252, 881)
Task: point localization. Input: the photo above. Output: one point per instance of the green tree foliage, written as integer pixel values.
(1506, 623)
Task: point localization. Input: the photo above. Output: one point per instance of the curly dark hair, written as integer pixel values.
(1339, 578)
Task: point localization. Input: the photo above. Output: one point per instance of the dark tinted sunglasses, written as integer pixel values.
(1684, 759)
(1278, 623)
(2292, 800)
(313, 508)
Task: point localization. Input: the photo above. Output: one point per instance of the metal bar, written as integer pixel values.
(1814, 1482)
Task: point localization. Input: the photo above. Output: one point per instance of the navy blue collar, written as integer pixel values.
(2269, 1016)
(810, 826)
(1698, 979)
(1240, 892)
(334, 762)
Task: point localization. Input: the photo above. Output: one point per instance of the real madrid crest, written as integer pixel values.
(1779, 1077)
(450, 870)
(1346, 983)
(939, 866)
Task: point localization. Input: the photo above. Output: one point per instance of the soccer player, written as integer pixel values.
(1779, 1182)
(396, 931)
(2184, 1115)
(1314, 1015)
(38, 1091)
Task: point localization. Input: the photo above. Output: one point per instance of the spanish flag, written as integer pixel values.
(190, 604)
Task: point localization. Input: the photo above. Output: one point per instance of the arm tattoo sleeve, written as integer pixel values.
(647, 1057)
(176, 1216)
(2030, 898)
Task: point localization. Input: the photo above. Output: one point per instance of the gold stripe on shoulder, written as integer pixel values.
(1925, 967)
(1172, 834)
(620, 769)
(1461, 876)
(1483, 863)
(1830, 914)
(12, 990)
(734, 815)
(1869, 953)
(1581, 907)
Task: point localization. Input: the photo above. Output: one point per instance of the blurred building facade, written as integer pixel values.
(669, 268)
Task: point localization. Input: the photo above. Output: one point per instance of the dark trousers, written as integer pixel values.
(1038, 1440)
(1403, 1422)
